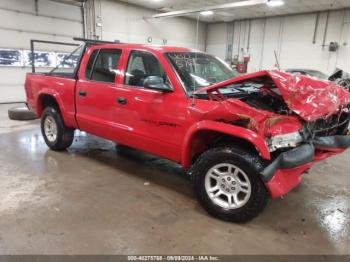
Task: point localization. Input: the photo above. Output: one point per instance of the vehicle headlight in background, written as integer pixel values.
(284, 141)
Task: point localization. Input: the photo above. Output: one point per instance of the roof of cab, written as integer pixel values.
(157, 48)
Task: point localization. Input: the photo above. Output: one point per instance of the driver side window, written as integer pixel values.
(142, 65)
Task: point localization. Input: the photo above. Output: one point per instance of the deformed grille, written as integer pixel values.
(333, 125)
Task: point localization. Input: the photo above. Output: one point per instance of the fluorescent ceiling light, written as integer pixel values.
(234, 5)
(207, 13)
(274, 3)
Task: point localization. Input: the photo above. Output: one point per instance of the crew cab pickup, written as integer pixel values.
(243, 139)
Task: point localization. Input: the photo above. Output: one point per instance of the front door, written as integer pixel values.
(155, 120)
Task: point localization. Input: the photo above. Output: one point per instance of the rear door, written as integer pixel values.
(96, 93)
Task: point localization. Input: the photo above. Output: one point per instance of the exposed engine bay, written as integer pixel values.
(255, 95)
(258, 96)
(341, 78)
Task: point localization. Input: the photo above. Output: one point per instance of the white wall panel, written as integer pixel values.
(39, 24)
(216, 39)
(292, 38)
(50, 8)
(12, 84)
(20, 40)
(130, 24)
(26, 5)
(19, 23)
(257, 44)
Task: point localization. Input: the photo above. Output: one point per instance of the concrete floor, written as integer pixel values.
(93, 200)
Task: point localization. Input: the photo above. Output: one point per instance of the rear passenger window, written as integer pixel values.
(106, 65)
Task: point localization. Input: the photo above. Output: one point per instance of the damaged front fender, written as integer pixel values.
(235, 131)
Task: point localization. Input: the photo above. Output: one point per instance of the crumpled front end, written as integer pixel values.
(324, 107)
(310, 98)
(302, 119)
(294, 153)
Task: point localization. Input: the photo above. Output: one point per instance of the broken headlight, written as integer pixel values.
(284, 141)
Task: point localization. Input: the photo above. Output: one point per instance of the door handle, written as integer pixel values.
(82, 93)
(122, 100)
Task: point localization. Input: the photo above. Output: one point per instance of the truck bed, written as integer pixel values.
(62, 89)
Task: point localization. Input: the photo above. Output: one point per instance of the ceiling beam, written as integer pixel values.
(211, 8)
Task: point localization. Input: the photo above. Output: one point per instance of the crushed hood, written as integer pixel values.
(308, 97)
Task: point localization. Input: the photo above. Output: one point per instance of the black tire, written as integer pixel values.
(65, 135)
(21, 113)
(249, 163)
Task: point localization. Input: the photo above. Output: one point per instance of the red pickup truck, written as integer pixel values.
(243, 139)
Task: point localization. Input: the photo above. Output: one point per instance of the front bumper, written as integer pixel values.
(332, 143)
(284, 172)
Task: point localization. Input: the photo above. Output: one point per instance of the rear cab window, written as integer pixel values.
(69, 66)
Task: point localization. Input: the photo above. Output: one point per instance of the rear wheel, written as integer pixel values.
(228, 185)
(56, 135)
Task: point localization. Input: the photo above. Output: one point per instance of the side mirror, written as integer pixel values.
(156, 83)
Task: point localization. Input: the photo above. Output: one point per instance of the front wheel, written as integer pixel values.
(228, 185)
(56, 135)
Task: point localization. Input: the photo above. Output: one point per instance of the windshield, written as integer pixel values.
(198, 70)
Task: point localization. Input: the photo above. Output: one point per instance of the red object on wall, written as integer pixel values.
(242, 67)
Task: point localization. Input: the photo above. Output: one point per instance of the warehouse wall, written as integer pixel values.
(133, 24)
(20, 22)
(290, 36)
(216, 42)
